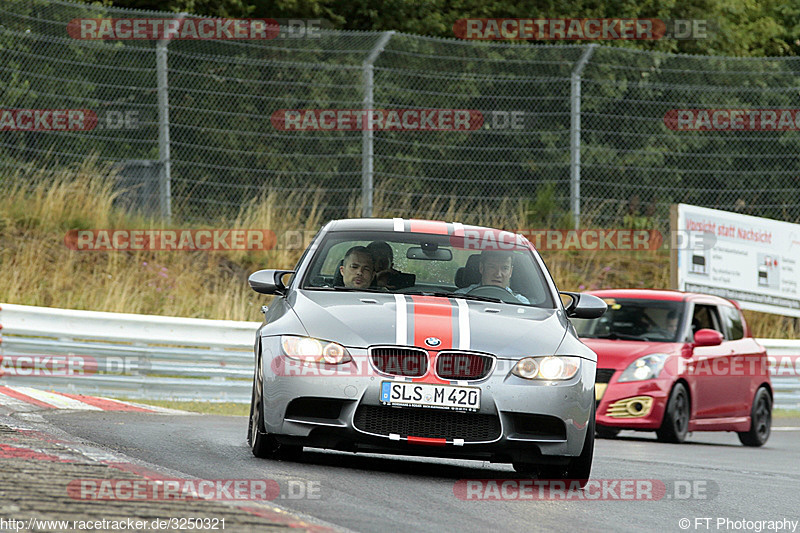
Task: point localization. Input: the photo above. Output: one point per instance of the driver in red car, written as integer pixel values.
(496, 268)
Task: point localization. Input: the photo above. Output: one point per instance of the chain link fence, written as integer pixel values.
(224, 151)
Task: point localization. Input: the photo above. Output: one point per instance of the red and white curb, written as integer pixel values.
(68, 451)
(27, 397)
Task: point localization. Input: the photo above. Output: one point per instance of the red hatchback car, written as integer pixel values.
(674, 362)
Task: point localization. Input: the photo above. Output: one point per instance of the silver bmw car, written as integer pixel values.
(424, 338)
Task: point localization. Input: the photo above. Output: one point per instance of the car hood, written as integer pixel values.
(359, 320)
(618, 354)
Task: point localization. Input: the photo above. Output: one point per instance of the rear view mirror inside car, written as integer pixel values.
(430, 253)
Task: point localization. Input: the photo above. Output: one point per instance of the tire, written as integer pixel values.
(578, 469)
(605, 432)
(262, 444)
(675, 425)
(760, 420)
(525, 468)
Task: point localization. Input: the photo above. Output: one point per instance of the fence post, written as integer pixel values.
(575, 136)
(164, 167)
(164, 176)
(367, 185)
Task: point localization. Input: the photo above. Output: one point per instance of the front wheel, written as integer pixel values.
(760, 420)
(675, 425)
(578, 468)
(262, 444)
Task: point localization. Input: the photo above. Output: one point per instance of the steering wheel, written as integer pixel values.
(493, 291)
(660, 332)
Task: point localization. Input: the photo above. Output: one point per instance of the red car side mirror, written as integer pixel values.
(707, 337)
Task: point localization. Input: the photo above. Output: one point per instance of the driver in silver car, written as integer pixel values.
(496, 267)
(357, 268)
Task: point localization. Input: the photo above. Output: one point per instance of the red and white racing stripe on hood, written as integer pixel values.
(433, 319)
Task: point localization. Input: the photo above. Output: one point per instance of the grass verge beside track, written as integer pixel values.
(206, 408)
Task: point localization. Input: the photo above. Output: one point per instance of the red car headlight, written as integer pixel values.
(645, 367)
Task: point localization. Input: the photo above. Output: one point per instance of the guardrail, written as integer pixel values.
(785, 372)
(169, 358)
(129, 355)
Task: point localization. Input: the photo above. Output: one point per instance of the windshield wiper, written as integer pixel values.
(345, 289)
(443, 294)
(457, 295)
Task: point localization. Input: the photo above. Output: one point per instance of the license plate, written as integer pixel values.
(433, 396)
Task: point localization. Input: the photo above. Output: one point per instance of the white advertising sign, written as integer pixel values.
(753, 260)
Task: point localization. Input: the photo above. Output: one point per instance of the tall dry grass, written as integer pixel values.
(37, 209)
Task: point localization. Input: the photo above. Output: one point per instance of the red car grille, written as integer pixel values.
(604, 375)
(461, 366)
(407, 362)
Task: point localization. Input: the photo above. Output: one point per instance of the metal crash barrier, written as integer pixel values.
(168, 358)
(126, 355)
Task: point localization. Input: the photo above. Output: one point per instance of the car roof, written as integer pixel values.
(402, 224)
(661, 294)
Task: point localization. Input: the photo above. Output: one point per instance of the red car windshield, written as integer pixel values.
(635, 319)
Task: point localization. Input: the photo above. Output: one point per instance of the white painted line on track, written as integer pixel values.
(55, 399)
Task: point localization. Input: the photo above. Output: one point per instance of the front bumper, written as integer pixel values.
(657, 389)
(518, 419)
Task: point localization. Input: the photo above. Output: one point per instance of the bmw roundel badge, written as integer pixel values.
(433, 342)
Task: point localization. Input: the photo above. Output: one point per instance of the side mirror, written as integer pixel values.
(268, 281)
(707, 337)
(584, 305)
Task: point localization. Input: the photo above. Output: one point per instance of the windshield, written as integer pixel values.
(635, 319)
(419, 263)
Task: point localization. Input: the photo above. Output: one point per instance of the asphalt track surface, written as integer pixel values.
(711, 476)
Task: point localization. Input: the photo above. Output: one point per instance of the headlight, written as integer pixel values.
(549, 368)
(646, 367)
(314, 350)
